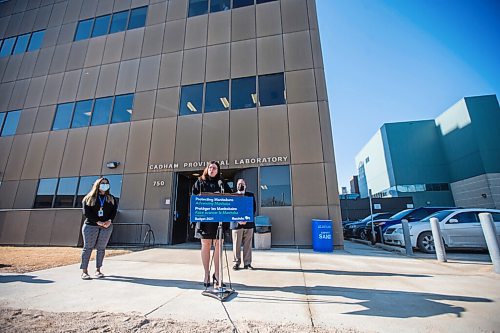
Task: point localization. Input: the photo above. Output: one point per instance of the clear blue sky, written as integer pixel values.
(400, 60)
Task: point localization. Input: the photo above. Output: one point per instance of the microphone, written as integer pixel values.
(221, 185)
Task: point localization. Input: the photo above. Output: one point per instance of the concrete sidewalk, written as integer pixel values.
(361, 288)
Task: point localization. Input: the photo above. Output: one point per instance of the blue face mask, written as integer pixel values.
(104, 187)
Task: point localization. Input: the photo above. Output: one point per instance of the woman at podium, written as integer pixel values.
(210, 182)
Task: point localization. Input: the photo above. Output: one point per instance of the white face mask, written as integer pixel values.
(104, 187)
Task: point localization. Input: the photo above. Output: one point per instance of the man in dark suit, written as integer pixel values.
(242, 232)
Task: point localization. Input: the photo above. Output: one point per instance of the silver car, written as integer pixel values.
(460, 228)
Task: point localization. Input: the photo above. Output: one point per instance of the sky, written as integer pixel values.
(401, 60)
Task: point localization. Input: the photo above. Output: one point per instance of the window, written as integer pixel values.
(496, 217)
(467, 217)
(122, 110)
(191, 99)
(10, 124)
(271, 89)
(137, 18)
(83, 110)
(66, 192)
(243, 93)
(84, 29)
(84, 187)
(263, 1)
(217, 96)
(63, 116)
(219, 5)
(101, 26)
(242, 3)
(45, 193)
(2, 118)
(119, 22)
(102, 111)
(275, 186)
(21, 44)
(197, 7)
(36, 41)
(115, 184)
(7, 46)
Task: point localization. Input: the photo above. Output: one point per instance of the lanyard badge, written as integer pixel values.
(100, 213)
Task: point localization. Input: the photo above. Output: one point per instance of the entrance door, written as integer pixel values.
(180, 227)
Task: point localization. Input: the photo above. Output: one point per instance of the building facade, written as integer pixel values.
(452, 160)
(145, 92)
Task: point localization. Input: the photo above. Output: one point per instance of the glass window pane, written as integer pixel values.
(101, 25)
(84, 187)
(102, 111)
(264, 1)
(2, 117)
(217, 96)
(197, 7)
(63, 116)
(219, 5)
(83, 30)
(119, 22)
(137, 18)
(467, 217)
(275, 186)
(243, 93)
(7, 46)
(36, 40)
(271, 89)
(115, 184)
(10, 123)
(83, 110)
(45, 193)
(191, 99)
(122, 110)
(66, 192)
(21, 44)
(242, 3)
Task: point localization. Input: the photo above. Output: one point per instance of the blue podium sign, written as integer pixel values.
(221, 208)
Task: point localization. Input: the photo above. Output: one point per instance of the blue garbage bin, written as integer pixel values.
(322, 235)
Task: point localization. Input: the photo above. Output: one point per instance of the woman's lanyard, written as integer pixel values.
(100, 213)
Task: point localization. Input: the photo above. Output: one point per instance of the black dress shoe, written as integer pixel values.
(236, 267)
(248, 267)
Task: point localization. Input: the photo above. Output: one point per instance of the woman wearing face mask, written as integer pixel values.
(210, 182)
(100, 210)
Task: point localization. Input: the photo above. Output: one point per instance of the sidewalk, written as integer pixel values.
(361, 289)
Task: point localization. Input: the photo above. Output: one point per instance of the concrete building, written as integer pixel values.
(452, 160)
(146, 92)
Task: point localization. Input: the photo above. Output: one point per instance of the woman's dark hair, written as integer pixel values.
(205, 174)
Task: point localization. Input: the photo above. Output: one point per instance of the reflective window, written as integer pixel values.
(198, 7)
(119, 22)
(101, 26)
(217, 96)
(496, 216)
(264, 1)
(45, 193)
(83, 110)
(36, 40)
(467, 217)
(102, 111)
(137, 18)
(219, 5)
(2, 117)
(275, 187)
(7, 46)
(122, 110)
(243, 93)
(10, 123)
(115, 184)
(242, 3)
(191, 99)
(66, 192)
(21, 44)
(84, 29)
(84, 187)
(271, 89)
(62, 119)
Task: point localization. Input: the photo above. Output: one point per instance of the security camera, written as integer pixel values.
(112, 164)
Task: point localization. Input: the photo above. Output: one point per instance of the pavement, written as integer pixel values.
(359, 289)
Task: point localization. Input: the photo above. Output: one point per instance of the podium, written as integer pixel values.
(220, 208)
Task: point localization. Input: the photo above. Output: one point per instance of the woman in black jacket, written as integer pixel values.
(210, 182)
(100, 210)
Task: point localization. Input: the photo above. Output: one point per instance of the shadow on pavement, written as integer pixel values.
(334, 272)
(22, 278)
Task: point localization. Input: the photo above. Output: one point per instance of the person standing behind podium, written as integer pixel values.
(209, 182)
(242, 232)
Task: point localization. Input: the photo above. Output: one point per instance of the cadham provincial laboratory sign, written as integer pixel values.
(236, 162)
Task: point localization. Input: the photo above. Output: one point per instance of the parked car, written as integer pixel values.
(460, 228)
(411, 215)
(357, 229)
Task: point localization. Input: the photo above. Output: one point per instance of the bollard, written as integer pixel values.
(406, 235)
(438, 240)
(490, 235)
(381, 234)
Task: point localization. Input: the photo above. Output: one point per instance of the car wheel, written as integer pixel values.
(362, 235)
(425, 242)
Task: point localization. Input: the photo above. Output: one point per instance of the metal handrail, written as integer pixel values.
(149, 237)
